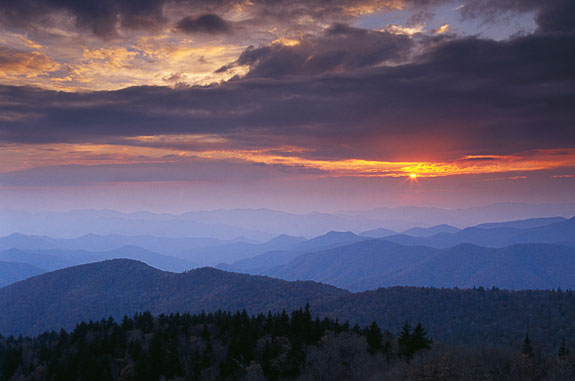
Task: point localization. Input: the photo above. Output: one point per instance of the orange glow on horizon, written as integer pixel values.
(169, 149)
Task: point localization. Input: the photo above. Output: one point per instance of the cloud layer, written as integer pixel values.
(455, 97)
(282, 90)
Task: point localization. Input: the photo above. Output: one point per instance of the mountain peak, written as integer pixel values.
(330, 235)
(334, 233)
(117, 263)
(284, 239)
(122, 286)
(205, 270)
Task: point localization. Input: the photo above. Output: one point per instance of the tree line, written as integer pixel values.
(220, 345)
(273, 346)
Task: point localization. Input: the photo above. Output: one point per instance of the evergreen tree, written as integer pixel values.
(527, 348)
(405, 334)
(419, 339)
(220, 345)
(205, 333)
(12, 360)
(563, 351)
(373, 337)
(404, 341)
(412, 342)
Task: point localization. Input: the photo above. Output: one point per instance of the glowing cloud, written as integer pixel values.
(167, 148)
(442, 29)
(398, 29)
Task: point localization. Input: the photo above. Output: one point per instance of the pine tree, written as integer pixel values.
(404, 340)
(411, 342)
(563, 351)
(405, 334)
(527, 348)
(373, 336)
(419, 339)
(205, 333)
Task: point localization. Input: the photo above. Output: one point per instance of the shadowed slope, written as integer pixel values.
(497, 235)
(117, 287)
(378, 263)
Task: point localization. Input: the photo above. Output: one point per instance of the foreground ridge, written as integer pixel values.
(467, 317)
(225, 345)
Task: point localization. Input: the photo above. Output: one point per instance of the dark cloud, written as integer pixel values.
(103, 17)
(99, 16)
(556, 16)
(482, 158)
(332, 94)
(197, 170)
(341, 48)
(208, 24)
(461, 97)
(550, 15)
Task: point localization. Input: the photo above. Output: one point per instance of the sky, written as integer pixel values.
(176, 105)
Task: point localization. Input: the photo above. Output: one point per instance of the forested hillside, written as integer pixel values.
(123, 287)
(489, 317)
(269, 346)
(62, 298)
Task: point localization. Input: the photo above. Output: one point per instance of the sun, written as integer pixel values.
(413, 175)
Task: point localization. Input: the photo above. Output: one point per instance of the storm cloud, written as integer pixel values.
(104, 18)
(208, 23)
(550, 15)
(99, 16)
(462, 95)
(340, 49)
(171, 170)
(277, 102)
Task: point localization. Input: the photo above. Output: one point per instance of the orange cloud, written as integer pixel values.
(442, 29)
(155, 149)
(154, 54)
(16, 63)
(399, 29)
(155, 61)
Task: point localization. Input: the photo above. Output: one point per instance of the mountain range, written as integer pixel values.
(117, 287)
(440, 260)
(431, 257)
(262, 224)
(269, 259)
(95, 242)
(378, 263)
(498, 235)
(54, 259)
(62, 298)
